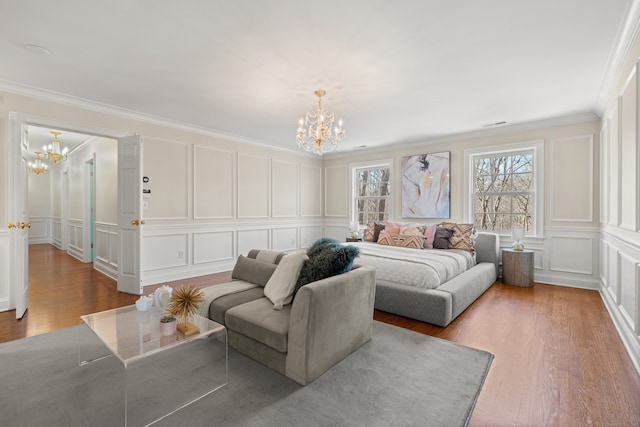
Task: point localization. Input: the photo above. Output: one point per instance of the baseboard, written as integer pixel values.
(628, 338)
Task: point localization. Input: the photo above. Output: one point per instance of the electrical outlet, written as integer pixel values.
(180, 254)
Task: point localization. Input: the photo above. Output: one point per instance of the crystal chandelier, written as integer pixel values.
(37, 166)
(315, 133)
(52, 151)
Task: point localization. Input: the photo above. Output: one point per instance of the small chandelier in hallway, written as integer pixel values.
(315, 133)
(52, 151)
(37, 166)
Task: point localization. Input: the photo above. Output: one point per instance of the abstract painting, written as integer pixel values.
(425, 186)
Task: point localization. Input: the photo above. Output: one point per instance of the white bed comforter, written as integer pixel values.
(424, 268)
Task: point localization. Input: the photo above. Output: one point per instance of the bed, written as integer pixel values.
(431, 285)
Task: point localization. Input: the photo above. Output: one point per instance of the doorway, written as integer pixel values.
(19, 124)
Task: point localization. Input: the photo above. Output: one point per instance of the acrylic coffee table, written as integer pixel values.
(159, 374)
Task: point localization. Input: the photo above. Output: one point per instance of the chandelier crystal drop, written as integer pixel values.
(37, 166)
(316, 132)
(52, 151)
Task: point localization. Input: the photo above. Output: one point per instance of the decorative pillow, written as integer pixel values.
(279, 288)
(327, 258)
(429, 234)
(392, 227)
(441, 238)
(253, 270)
(404, 241)
(412, 230)
(463, 236)
(266, 255)
(373, 231)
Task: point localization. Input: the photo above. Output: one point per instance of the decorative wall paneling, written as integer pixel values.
(628, 154)
(605, 171)
(105, 249)
(336, 190)
(620, 289)
(5, 288)
(337, 229)
(285, 177)
(566, 256)
(76, 242)
(40, 230)
(571, 189)
(214, 183)
(179, 251)
(254, 185)
(310, 191)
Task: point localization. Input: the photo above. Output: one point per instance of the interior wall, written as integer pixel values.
(620, 204)
(210, 199)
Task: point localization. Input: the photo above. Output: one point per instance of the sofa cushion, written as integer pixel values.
(279, 288)
(259, 321)
(327, 258)
(218, 307)
(253, 270)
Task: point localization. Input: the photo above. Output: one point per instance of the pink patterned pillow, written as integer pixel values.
(392, 227)
(429, 235)
(412, 230)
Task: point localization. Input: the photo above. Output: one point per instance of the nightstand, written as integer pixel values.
(517, 268)
(354, 239)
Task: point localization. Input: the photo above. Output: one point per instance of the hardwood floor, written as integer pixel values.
(558, 358)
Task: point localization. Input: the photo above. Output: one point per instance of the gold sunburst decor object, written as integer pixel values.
(184, 302)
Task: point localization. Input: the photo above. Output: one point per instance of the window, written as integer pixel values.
(372, 193)
(503, 187)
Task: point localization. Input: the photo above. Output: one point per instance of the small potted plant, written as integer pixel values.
(168, 324)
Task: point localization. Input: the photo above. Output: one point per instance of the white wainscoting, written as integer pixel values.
(620, 289)
(567, 256)
(55, 228)
(5, 283)
(76, 241)
(105, 249)
(180, 251)
(39, 231)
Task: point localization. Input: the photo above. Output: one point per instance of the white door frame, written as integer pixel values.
(17, 122)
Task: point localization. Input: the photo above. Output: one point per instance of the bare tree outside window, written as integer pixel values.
(373, 194)
(503, 191)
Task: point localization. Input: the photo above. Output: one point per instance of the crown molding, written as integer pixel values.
(627, 33)
(480, 133)
(98, 107)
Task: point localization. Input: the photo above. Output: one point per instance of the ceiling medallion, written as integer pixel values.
(315, 133)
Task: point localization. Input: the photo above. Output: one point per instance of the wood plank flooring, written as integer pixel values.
(558, 358)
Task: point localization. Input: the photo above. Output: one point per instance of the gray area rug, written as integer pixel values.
(399, 378)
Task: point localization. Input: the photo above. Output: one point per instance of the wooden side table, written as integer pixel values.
(354, 239)
(517, 267)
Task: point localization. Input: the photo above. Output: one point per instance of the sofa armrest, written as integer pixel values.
(330, 318)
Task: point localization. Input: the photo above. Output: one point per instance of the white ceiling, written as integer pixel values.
(401, 71)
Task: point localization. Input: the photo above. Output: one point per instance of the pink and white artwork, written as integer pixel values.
(425, 186)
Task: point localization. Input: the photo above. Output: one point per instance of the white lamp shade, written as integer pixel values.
(517, 233)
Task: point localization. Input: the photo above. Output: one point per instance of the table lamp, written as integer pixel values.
(517, 234)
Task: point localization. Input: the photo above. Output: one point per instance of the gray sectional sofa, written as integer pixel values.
(327, 320)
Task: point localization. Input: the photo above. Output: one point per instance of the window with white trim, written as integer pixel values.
(505, 187)
(372, 193)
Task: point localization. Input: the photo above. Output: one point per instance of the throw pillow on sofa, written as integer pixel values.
(279, 289)
(327, 258)
(253, 270)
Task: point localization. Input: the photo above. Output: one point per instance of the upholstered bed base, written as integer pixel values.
(444, 303)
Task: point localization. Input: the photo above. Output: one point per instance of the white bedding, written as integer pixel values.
(424, 268)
